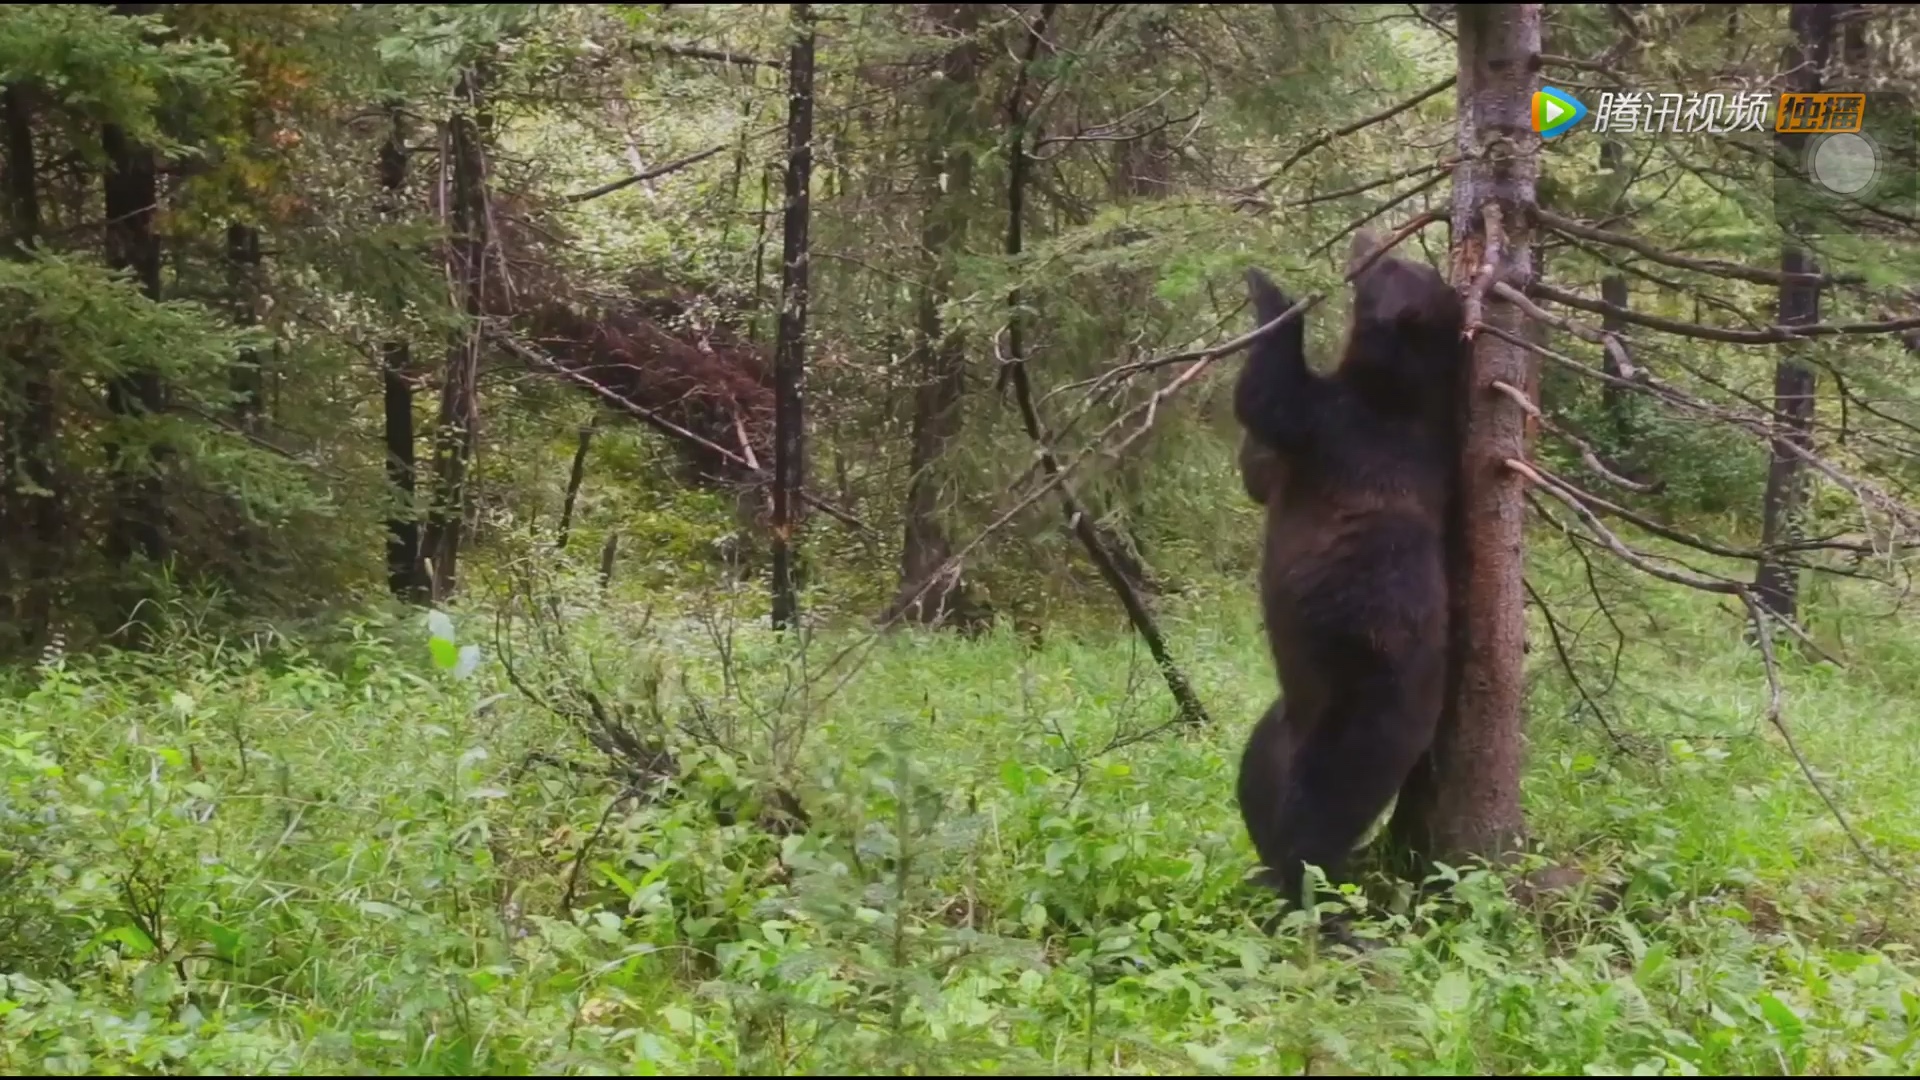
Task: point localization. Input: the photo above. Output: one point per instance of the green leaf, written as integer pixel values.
(225, 941)
(445, 656)
(1207, 1057)
(1783, 1019)
(619, 880)
(1453, 993)
(1035, 917)
(1651, 965)
(1014, 777)
(134, 938)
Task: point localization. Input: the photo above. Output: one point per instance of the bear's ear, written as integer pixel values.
(1365, 243)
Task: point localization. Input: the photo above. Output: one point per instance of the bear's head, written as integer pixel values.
(1404, 350)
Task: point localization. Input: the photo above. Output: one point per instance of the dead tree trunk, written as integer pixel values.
(790, 346)
(31, 505)
(608, 551)
(574, 479)
(1775, 582)
(1463, 800)
(457, 426)
(939, 362)
(1079, 522)
(404, 577)
(137, 525)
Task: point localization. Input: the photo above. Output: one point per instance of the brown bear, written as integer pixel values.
(1356, 471)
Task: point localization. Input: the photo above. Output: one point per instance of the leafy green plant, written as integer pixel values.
(459, 661)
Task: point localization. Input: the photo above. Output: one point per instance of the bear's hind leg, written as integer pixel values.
(1347, 770)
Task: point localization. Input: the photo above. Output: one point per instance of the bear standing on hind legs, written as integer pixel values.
(1356, 470)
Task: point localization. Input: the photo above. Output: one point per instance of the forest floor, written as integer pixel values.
(329, 855)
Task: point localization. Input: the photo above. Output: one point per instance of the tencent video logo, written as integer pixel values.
(1555, 111)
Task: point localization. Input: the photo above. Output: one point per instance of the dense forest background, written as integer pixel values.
(644, 537)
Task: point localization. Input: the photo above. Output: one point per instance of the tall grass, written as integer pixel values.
(329, 855)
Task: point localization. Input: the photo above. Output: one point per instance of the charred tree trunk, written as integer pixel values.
(1098, 547)
(137, 526)
(939, 361)
(574, 479)
(1775, 582)
(790, 346)
(404, 574)
(31, 506)
(457, 426)
(1463, 800)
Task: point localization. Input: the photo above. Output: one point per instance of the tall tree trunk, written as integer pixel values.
(939, 361)
(790, 347)
(1463, 800)
(405, 578)
(244, 376)
(243, 270)
(1775, 581)
(132, 191)
(31, 505)
(457, 427)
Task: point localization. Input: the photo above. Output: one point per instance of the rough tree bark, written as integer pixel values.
(457, 426)
(137, 525)
(31, 505)
(404, 573)
(1099, 548)
(1775, 582)
(790, 346)
(938, 361)
(1463, 800)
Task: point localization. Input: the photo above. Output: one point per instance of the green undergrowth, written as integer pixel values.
(349, 853)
